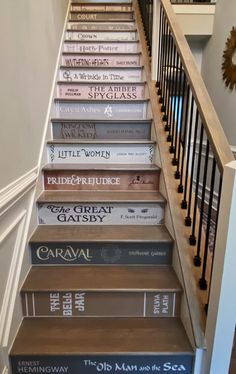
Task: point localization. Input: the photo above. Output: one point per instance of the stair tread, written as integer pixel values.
(132, 121)
(100, 278)
(108, 167)
(100, 196)
(101, 41)
(99, 141)
(61, 234)
(140, 67)
(106, 101)
(63, 83)
(98, 30)
(57, 336)
(102, 54)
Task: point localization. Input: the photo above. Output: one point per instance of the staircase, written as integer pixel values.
(101, 295)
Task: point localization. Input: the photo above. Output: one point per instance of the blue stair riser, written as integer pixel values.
(113, 364)
(102, 253)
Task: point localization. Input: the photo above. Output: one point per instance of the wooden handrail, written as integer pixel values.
(211, 123)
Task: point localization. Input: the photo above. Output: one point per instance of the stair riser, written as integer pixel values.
(100, 61)
(101, 35)
(104, 26)
(101, 180)
(108, 16)
(100, 304)
(96, 47)
(100, 8)
(101, 91)
(93, 130)
(92, 364)
(101, 214)
(116, 253)
(99, 75)
(99, 153)
(101, 111)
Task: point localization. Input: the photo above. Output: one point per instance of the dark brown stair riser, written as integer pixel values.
(101, 91)
(106, 16)
(101, 180)
(103, 47)
(101, 213)
(105, 130)
(101, 8)
(70, 60)
(92, 364)
(80, 303)
(101, 35)
(105, 26)
(117, 253)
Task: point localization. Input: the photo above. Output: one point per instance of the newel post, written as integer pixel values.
(221, 316)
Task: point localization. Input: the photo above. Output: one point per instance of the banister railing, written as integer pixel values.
(146, 8)
(196, 139)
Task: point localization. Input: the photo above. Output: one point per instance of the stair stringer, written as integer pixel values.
(192, 315)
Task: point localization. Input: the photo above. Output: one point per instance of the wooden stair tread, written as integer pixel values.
(107, 167)
(100, 196)
(97, 30)
(57, 336)
(100, 141)
(101, 53)
(74, 83)
(100, 278)
(140, 67)
(61, 234)
(100, 121)
(101, 41)
(74, 101)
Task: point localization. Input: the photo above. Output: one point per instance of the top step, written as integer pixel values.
(101, 16)
(101, 7)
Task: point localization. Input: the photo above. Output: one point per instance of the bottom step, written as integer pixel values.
(75, 346)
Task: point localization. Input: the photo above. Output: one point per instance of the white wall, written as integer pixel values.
(223, 99)
(31, 32)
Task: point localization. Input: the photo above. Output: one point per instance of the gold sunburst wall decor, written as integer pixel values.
(229, 61)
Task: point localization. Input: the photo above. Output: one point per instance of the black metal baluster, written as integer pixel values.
(178, 113)
(167, 115)
(162, 98)
(214, 244)
(159, 52)
(202, 280)
(197, 259)
(163, 58)
(192, 238)
(181, 171)
(172, 89)
(174, 105)
(188, 220)
(166, 76)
